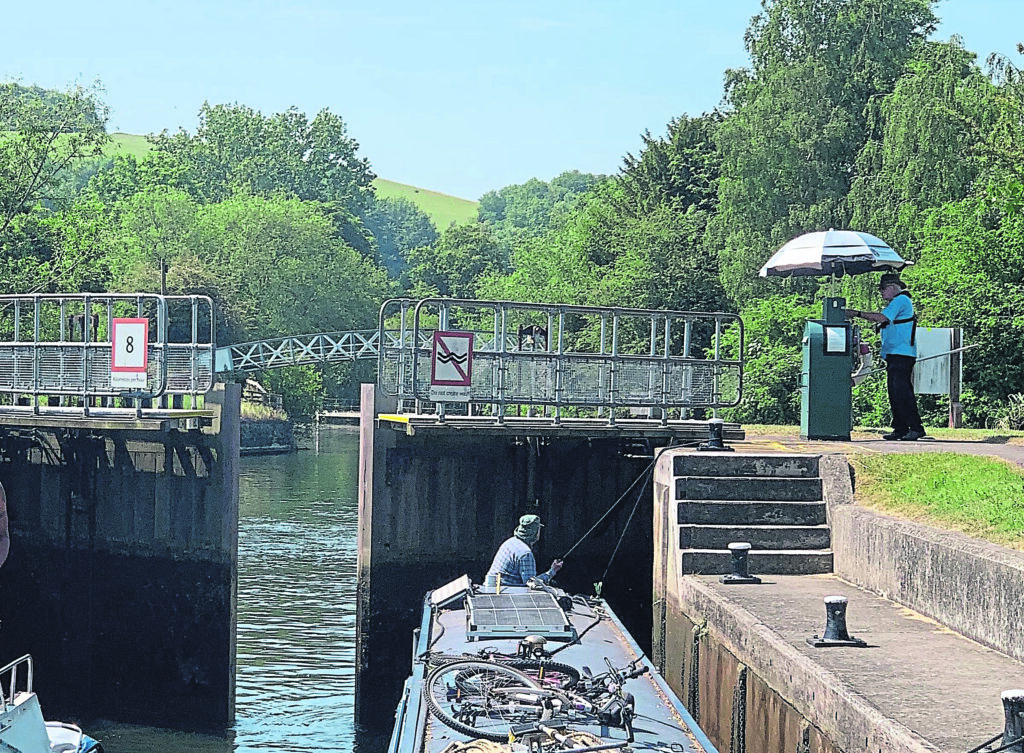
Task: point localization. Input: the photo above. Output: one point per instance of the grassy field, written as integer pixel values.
(127, 143)
(441, 208)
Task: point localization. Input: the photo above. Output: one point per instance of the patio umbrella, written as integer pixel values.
(833, 253)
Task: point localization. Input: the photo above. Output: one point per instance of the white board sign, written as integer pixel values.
(451, 367)
(129, 356)
(931, 374)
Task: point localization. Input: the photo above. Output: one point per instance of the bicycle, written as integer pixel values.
(495, 702)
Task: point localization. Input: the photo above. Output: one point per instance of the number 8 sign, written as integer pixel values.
(130, 346)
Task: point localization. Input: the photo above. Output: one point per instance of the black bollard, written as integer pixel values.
(1013, 707)
(835, 626)
(739, 551)
(716, 437)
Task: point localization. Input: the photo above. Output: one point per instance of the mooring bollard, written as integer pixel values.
(739, 551)
(835, 626)
(1013, 707)
(716, 437)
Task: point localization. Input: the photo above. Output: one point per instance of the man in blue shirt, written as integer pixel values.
(898, 325)
(515, 561)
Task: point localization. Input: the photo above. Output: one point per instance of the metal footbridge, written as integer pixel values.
(555, 362)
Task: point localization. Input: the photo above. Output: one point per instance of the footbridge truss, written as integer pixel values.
(324, 347)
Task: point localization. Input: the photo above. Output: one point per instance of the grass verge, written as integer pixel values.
(981, 497)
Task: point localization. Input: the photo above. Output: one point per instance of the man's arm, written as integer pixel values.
(5, 538)
(871, 316)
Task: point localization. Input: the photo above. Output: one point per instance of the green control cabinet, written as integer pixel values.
(826, 388)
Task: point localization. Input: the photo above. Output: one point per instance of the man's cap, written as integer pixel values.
(891, 279)
(531, 521)
(529, 527)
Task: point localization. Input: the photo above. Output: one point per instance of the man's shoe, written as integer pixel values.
(912, 436)
(893, 435)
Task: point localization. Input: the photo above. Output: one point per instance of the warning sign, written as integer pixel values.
(129, 356)
(451, 367)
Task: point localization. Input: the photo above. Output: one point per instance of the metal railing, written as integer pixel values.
(9, 685)
(563, 356)
(58, 348)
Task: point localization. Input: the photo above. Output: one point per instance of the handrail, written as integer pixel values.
(61, 345)
(563, 356)
(7, 697)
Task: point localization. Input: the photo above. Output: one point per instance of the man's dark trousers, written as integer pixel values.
(902, 402)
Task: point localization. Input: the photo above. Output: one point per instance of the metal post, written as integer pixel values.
(836, 633)
(600, 369)
(442, 326)
(955, 359)
(501, 362)
(559, 386)
(35, 360)
(613, 385)
(664, 373)
(739, 551)
(87, 354)
(1013, 708)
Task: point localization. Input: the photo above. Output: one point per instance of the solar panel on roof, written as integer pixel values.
(516, 615)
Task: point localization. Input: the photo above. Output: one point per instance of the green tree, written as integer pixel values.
(157, 232)
(681, 170)
(45, 135)
(797, 120)
(773, 328)
(237, 148)
(922, 151)
(455, 266)
(397, 227)
(531, 209)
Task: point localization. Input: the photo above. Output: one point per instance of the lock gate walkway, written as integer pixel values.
(920, 684)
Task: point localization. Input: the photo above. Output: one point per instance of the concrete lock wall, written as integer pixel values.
(121, 581)
(747, 688)
(436, 505)
(927, 569)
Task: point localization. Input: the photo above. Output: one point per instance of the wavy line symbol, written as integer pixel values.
(453, 359)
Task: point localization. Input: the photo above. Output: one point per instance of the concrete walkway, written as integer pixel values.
(932, 681)
(923, 676)
(1011, 451)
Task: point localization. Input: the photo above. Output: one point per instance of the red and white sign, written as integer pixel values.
(129, 356)
(451, 367)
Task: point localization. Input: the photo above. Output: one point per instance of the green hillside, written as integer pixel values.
(127, 143)
(442, 209)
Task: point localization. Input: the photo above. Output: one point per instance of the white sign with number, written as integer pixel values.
(130, 353)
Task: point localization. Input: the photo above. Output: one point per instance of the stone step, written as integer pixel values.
(759, 562)
(789, 466)
(749, 488)
(695, 536)
(745, 513)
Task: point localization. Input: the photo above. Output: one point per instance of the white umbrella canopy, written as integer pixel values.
(833, 252)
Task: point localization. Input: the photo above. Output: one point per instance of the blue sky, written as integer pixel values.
(456, 96)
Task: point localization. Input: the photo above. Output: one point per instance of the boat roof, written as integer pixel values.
(472, 622)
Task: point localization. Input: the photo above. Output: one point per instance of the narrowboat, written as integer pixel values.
(533, 669)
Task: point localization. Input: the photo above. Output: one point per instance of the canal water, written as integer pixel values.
(298, 519)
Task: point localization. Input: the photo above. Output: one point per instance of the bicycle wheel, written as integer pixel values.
(547, 673)
(485, 700)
